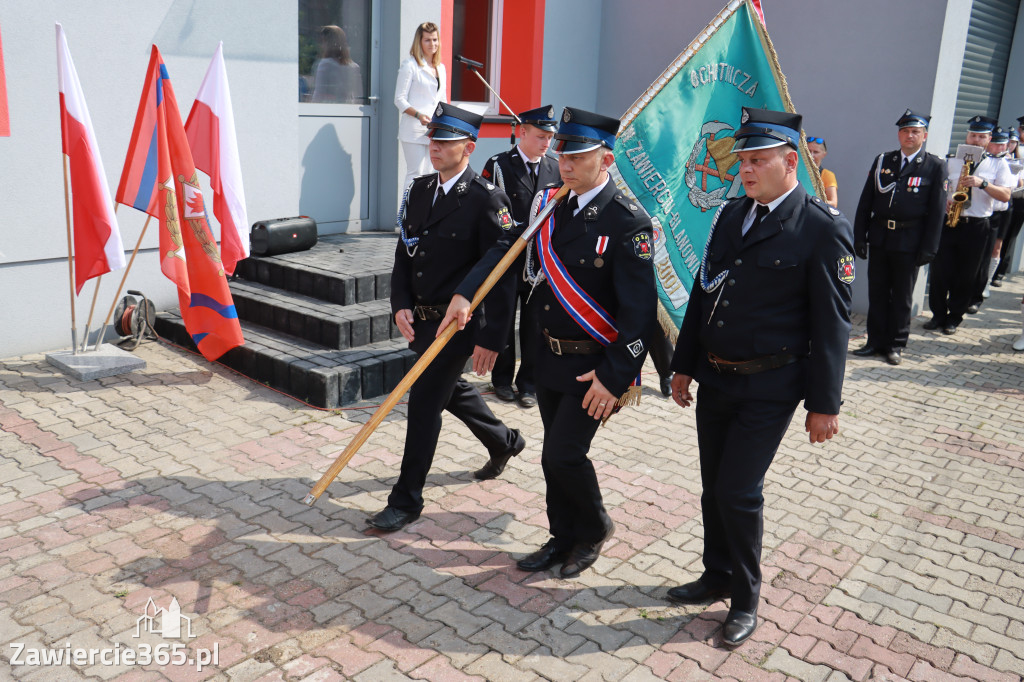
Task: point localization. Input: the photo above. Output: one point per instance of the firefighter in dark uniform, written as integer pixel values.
(450, 220)
(767, 325)
(521, 172)
(899, 217)
(597, 253)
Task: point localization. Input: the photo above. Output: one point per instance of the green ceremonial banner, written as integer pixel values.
(674, 150)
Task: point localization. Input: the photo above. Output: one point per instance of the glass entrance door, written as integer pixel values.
(338, 85)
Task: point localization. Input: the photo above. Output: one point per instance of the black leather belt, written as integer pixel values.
(898, 224)
(754, 366)
(572, 346)
(429, 312)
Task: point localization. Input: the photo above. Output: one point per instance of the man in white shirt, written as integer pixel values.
(962, 248)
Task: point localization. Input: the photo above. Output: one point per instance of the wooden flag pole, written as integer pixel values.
(71, 267)
(110, 313)
(410, 378)
(88, 322)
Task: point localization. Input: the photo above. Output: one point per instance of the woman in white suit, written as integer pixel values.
(421, 85)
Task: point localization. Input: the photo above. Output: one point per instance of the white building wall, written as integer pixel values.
(110, 44)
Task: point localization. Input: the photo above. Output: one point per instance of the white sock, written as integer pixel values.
(992, 267)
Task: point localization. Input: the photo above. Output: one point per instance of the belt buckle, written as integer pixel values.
(556, 345)
(420, 313)
(891, 224)
(714, 363)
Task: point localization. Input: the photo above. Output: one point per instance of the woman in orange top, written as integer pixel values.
(816, 145)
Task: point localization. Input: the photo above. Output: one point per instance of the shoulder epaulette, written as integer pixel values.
(825, 208)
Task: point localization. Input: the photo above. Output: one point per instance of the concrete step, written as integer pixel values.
(312, 319)
(321, 376)
(341, 268)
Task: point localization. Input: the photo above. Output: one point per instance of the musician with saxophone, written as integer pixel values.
(966, 230)
(897, 228)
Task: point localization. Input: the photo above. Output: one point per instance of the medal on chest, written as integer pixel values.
(600, 247)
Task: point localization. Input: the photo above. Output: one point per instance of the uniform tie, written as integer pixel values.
(439, 196)
(571, 206)
(532, 165)
(760, 211)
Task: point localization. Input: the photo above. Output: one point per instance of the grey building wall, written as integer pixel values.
(110, 44)
(1013, 106)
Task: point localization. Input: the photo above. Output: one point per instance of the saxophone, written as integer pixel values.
(961, 194)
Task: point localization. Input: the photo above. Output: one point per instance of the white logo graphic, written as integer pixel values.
(170, 621)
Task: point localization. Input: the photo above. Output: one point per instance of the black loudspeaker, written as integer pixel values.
(282, 235)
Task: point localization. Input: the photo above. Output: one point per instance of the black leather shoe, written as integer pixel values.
(392, 519)
(697, 592)
(666, 386)
(932, 324)
(583, 555)
(495, 465)
(972, 309)
(739, 626)
(997, 281)
(544, 558)
(866, 351)
(504, 393)
(894, 357)
(526, 399)
(949, 330)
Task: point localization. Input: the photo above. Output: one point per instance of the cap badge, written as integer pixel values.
(439, 111)
(551, 112)
(566, 116)
(908, 112)
(744, 117)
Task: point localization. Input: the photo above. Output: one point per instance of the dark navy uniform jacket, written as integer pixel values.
(919, 196)
(785, 293)
(453, 237)
(509, 172)
(622, 282)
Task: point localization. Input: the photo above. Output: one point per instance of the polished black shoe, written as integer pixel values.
(392, 519)
(666, 386)
(932, 324)
(997, 281)
(544, 558)
(504, 393)
(583, 555)
(894, 357)
(866, 351)
(697, 592)
(526, 399)
(972, 309)
(949, 329)
(496, 464)
(739, 626)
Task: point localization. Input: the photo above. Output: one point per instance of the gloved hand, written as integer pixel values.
(861, 249)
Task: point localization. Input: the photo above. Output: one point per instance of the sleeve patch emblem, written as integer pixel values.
(504, 218)
(642, 246)
(636, 348)
(845, 270)
(486, 173)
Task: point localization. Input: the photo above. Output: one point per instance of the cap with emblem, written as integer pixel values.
(1000, 136)
(909, 119)
(981, 124)
(1020, 120)
(582, 131)
(764, 129)
(541, 117)
(452, 123)
(1014, 135)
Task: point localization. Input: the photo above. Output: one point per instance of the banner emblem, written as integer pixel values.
(712, 158)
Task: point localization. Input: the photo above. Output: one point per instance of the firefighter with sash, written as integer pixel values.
(591, 269)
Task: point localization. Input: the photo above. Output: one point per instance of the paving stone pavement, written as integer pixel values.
(893, 552)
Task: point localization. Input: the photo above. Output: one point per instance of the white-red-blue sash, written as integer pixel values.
(587, 312)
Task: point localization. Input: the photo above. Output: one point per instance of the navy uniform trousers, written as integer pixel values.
(575, 509)
(737, 438)
(442, 384)
(953, 274)
(891, 279)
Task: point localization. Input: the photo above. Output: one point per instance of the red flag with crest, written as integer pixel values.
(160, 178)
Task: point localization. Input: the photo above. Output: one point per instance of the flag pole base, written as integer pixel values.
(107, 361)
(309, 500)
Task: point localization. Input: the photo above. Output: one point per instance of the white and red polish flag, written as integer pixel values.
(211, 135)
(759, 10)
(98, 247)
